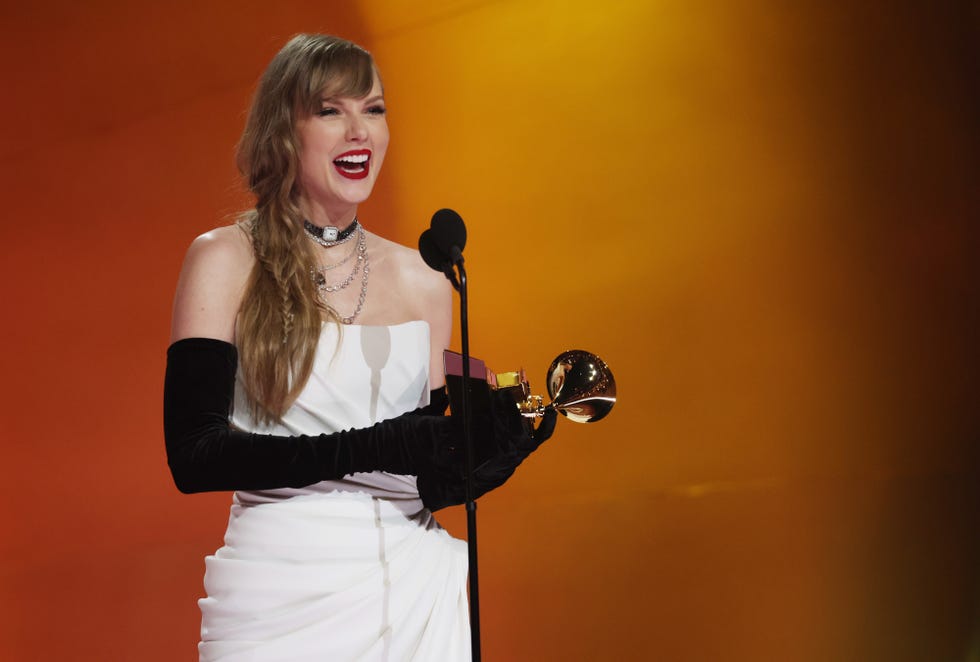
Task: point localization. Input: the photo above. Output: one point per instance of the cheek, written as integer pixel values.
(381, 144)
(315, 155)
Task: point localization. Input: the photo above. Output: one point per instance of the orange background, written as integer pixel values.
(763, 216)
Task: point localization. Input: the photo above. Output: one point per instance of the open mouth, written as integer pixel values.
(354, 164)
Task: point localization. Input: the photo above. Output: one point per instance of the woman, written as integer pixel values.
(304, 349)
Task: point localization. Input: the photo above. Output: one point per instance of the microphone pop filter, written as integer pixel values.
(433, 256)
(448, 230)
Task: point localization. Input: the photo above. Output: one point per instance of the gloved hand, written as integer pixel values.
(500, 445)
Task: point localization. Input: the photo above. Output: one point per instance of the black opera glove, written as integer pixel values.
(438, 403)
(206, 454)
(499, 451)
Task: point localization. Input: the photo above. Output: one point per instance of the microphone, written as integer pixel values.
(444, 240)
(449, 234)
(441, 247)
(442, 244)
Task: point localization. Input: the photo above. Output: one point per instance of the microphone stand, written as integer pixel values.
(474, 575)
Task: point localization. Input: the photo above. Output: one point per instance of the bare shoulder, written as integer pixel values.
(227, 246)
(416, 292)
(417, 280)
(211, 285)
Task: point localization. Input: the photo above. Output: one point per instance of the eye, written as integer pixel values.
(377, 109)
(329, 110)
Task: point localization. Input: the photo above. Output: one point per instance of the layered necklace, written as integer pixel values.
(329, 237)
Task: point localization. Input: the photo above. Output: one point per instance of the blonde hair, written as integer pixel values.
(281, 315)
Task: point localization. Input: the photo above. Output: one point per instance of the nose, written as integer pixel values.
(356, 128)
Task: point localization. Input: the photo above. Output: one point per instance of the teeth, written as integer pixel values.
(352, 158)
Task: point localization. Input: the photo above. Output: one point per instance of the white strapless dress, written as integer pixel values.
(352, 569)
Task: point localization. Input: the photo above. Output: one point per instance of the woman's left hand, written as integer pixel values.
(499, 451)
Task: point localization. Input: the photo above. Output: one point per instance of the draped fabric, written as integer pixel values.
(352, 569)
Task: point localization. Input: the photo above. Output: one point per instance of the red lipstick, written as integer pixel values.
(354, 164)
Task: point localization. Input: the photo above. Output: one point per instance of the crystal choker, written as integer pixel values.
(330, 235)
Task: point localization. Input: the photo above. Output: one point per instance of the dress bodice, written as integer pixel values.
(361, 375)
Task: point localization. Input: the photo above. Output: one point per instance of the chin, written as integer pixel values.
(356, 195)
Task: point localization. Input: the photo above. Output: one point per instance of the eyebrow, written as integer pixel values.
(370, 100)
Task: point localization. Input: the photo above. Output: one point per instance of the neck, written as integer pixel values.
(321, 216)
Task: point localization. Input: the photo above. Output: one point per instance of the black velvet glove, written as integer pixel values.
(205, 453)
(438, 403)
(502, 439)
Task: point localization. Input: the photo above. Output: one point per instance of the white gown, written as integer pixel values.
(352, 569)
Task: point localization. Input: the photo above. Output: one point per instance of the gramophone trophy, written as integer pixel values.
(580, 385)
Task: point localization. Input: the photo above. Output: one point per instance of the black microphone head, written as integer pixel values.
(434, 256)
(448, 230)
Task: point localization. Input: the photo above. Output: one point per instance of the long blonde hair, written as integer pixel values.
(281, 315)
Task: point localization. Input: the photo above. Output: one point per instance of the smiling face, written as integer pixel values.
(341, 148)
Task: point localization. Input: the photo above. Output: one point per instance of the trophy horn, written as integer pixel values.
(580, 384)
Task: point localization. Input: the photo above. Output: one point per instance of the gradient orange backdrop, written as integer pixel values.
(763, 216)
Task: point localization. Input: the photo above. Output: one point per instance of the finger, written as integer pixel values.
(547, 426)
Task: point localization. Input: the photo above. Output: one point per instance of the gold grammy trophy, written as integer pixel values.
(580, 385)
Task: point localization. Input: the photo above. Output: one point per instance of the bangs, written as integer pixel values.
(339, 70)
